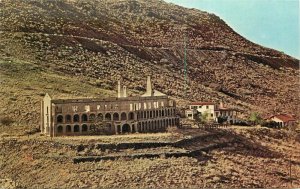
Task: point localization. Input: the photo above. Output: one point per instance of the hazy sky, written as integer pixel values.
(271, 23)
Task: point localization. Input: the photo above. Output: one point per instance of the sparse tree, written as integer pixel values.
(255, 118)
(99, 126)
(201, 118)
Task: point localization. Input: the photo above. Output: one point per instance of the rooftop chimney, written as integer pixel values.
(149, 86)
(120, 90)
(221, 105)
(124, 91)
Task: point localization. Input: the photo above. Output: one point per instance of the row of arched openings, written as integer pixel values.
(92, 117)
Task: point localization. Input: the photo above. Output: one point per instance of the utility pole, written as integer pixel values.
(185, 66)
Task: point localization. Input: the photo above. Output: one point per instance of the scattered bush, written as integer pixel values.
(255, 118)
(32, 131)
(173, 130)
(270, 124)
(242, 123)
(6, 121)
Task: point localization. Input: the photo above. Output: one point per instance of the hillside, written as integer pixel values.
(255, 158)
(80, 48)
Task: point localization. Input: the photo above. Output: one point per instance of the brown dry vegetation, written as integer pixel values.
(260, 159)
(80, 48)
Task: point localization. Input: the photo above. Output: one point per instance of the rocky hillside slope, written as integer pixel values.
(98, 42)
(262, 159)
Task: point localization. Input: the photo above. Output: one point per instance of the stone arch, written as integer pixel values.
(100, 117)
(157, 114)
(109, 126)
(108, 117)
(130, 116)
(151, 114)
(143, 127)
(116, 116)
(118, 128)
(123, 116)
(168, 112)
(163, 113)
(76, 128)
(59, 129)
(84, 118)
(139, 127)
(60, 119)
(84, 128)
(126, 128)
(133, 128)
(92, 117)
(145, 114)
(68, 118)
(68, 128)
(76, 118)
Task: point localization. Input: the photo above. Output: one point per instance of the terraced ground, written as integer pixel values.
(79, 48)
(249, 158)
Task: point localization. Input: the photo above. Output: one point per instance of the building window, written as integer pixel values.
(60, 129)
(92, 117)
(76, 118)
(145, 106)
(130, 107)
(84, 118)
(98, 107)
(87, 108)
(162, 104)
(100, 117)
(131, 116)
(84, 128)
(60, 119)
(107, 117)
(76, 128)
(74, 108)
(68, 128)
(116, 117)
(189, 115)
(211, 115)
(123, 116)
(68, 118)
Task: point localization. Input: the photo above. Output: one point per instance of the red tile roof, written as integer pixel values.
(284, 117)
(202, 103)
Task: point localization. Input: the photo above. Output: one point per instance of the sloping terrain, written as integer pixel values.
(88, 45)
(259, 158)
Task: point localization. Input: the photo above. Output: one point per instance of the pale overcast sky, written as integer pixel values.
(271, 23)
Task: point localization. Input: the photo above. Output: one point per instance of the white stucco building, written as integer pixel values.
(214, 111)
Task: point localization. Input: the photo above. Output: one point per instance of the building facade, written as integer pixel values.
(151, 112)
(282, 120)
(215, 112)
